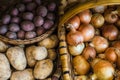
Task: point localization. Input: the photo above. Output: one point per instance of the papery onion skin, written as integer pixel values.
(99, 43)
(97, 20)
(104, 70)
(110, 54)
(74, 22)
(99, 9)
(110, 32)
(88, 31)
(80, 65)
(89, 53)
(76, 50)
(85, 16)
(116, 44)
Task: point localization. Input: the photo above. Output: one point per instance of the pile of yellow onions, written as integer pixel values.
(93, 42)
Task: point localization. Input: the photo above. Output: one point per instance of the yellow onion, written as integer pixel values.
(104, 70)
(99, 9)
(80, 65)
(76, 50)
(99, 43)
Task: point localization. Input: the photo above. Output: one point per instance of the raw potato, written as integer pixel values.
(5, 71)
(3, 46)
(39, 53)
(43, 69)
(30, 59)
(50, 42)
(52, 54)
(23, 75)
(17, 58)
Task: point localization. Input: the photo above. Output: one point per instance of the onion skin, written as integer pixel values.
(85, 16)
(74, 22)
(87, 31)
(76, 50)
(74, 37)
(111, 55)
(99, 43)
(99, 9)
(110, 32)
(80, 65)
(97, 20)
(104, 70)
(89, 53)
(116, 44)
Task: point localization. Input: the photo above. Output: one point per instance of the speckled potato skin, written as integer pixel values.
(43, 69)
(3, 46)
(16, 56)
(26, 74)
(5, 71)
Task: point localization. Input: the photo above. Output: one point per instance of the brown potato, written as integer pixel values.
(52, 54)
(3, 46)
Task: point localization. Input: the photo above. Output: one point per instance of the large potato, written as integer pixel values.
(17, 58)
(23, 75)
(3, 46)
(39, 53)
(30, 59)
(49, 42)
(43, 69)
(5, 70)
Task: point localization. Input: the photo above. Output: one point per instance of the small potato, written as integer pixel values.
(43, 69)
(21, 7)
(39, 53)
(11, 35)
(5, 71)
(28, 16)
(52, 54)
(15, 20)
(40, 31)
(6, 19)
(30, 59)
(3, 47)
(31, 6)
(26, 74)
(42, 11)
(17, 58)
(14, 12)
(49, 42)
(38, 21)
(3, 29)
(21, 34)
(48, 24)
(14, 27)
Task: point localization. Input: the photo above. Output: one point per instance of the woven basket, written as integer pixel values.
(26, 41)
(63, 50)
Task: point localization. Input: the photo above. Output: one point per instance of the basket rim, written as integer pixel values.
(29, 41)
(87, 5)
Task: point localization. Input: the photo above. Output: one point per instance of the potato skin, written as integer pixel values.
(30, 59)
(26, 74)
(17, 58)
(3, 46)
(43, 69)
(5, 71)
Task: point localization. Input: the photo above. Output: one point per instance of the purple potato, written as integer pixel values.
(31, 6)
(3, 29)
(11, 35)
(42, 11)
(50, 16)
(6, 19)
(21, 7)
(15, 20)
(52, 6)
(40, 31)
(28, 16)
(26, 1)
(14, 12)
(30, 35)
(38, 2)
(21, 34)
(38, 21)
(27, 26)
(48, 24)
(14, 27)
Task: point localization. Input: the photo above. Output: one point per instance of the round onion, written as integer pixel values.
(99, 9)
(76, 50)
(89, 53)
(110, 54)
(80, 65)
(85, 16)
(99, 43)
(110, 32)
(101, 56)
(104, 70)
(97, 20)
(87, 31)
(116, 44)
(74, 37)
(74, 22)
